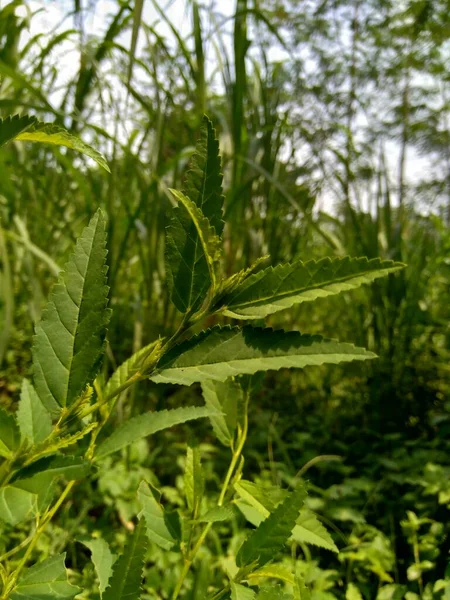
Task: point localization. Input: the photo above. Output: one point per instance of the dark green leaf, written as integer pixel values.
(268, 539)
(126, 580)
(69, 340)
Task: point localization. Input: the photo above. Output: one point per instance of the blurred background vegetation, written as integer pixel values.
(334, 123)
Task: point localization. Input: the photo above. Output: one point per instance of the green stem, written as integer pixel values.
(223, 492)
(12, 580)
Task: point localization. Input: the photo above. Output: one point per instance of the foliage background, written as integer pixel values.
(333, 119)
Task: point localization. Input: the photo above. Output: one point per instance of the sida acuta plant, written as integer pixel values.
(60, 429)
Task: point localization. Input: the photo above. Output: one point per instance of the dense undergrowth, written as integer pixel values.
(372, 438)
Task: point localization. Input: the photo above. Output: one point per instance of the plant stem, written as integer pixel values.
(34, 539)
(223, 492)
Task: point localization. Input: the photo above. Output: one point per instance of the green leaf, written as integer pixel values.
(240, 592)
(69, 340)
(126, 580)
(309, 530)
(232, 282)
(47, 133)
(159, 528)
(280, 287)
(102, 558)
(269, 538)
(34, 420)
(203, 183)
(70, 467)
(218, 514)
(146, 424)
(45, 581)
(9, 434)
(194, 481)
(223, 397)
(273, 572)
(223, 352)
(197, 250)
(192, 243)
(16, 505)
(12, 126)
(127, 369)
(352, 592)
(273, 592)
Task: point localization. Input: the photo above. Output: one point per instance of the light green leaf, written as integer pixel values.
(268, 539)
(34, 420)
(232, 282)
(192, 243)
(273, 572)
(240, 592)
(45, 581)
(47, 133)
(9, 434)
(309, 530)
(223, 352)
(159, 528)
(148, 423)
(352, 592)
(16, 505)
(280, 287)
(102, 558)
(273, 592)
(126, 580)
(12, 126)
(217, 514)
(69, 340)
(194, 481)
(223, 397)
(127, 369)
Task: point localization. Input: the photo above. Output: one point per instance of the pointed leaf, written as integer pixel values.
(264, 500)
(34, 420)
(158, 527)
(143, 425)
(280, 287)
(16, 505)
(44, 581)
(273, 592)
(127, 369)
(223, 352)
(70, 467)
(192, 243)
(47, 133)
(273, 572)
(309, 530)
(269, 538)
(241, 592)
(126, 580)
(195, 250)
(102, 558)
(223, 397)
(69, 340)
(194, 481)
(9, 434)
(12, 126)
(218, 514)
(203, 183)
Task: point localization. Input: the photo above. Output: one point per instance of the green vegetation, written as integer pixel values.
(174, 421)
